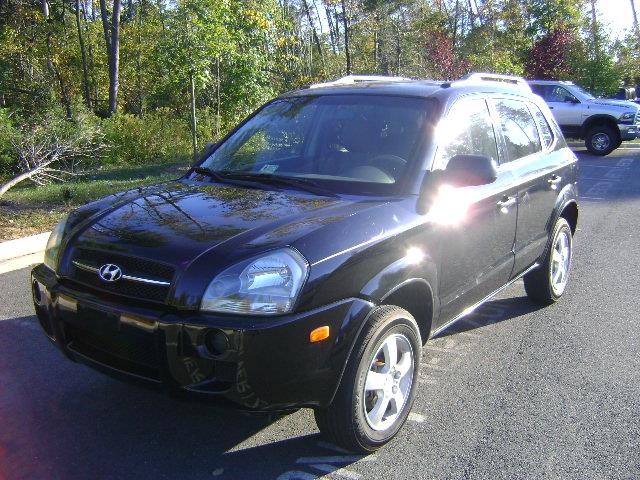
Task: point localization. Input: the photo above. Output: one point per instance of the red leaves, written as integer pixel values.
(550, 56)
(441, 56)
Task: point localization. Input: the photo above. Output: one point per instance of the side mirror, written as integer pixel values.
(570, 99)
(470, 170)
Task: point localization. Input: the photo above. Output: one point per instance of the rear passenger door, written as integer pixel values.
(476, 250)
(529, 143)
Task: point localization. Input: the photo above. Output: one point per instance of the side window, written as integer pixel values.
(466, 130)
(559, 94)
(543, 126)
(518, 128)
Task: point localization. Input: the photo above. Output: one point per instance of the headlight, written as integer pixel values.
(628, 117)
(264, 285)
(53, 245)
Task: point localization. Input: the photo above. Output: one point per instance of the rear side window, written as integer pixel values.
(467, 130)
(543, 126)
(518, 128)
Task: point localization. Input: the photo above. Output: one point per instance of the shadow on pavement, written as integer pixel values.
(492, 312)
(59, 419)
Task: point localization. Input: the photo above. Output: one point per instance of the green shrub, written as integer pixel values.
(156, 137)
(8, 132)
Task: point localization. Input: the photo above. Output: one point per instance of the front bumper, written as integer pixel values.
(629, 132)
(267, 364)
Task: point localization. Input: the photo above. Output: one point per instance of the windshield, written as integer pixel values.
(585, 93)
(345, 143)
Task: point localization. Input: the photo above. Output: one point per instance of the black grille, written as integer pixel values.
(137, 267)
(132, 266)
(129, 352)
(137, 290)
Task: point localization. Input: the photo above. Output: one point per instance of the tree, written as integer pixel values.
(550, 57)
(112, 41)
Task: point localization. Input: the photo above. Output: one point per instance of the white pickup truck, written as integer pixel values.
(602, 123)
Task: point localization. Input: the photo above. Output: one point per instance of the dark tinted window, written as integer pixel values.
(540, 90)
(467, 130)
(543, 126)
(518, 128)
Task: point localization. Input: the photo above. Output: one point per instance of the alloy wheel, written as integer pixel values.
(600, 141)
(560, 262)
(388, 382)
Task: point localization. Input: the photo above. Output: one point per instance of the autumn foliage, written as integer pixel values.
(550, 56)
(441, 56)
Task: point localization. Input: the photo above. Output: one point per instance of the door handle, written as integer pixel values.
(506, 203)
(554, 181)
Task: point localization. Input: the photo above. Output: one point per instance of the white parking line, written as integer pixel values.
(443, 350)
(336, 472)
(337, 459)
(331, 446)
(416, 417)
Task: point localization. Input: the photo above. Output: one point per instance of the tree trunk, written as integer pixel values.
(64, 96)
(44, 4)
(194, 138)
(217, 99)
(635, 19)
(305, 4)
(111, 30)
(83, 53)
(332, 36)
(114, 57)
(345, 24)
(4, 187)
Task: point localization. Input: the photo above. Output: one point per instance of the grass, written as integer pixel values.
(28, 209)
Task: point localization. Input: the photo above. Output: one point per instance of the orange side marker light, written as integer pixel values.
(319, 334)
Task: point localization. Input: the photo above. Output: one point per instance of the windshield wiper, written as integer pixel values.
(209, 173)
(269, 178)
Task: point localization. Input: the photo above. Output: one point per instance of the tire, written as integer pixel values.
(601, 140)
(618, 143)
(547, 284)
(351, 421)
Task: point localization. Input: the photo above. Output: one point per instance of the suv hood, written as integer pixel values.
(179, 221)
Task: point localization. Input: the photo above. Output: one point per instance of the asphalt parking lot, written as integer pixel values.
(513, 391)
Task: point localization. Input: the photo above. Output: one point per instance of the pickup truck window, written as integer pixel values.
(518, 128)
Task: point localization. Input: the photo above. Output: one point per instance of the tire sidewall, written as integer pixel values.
(408, 328)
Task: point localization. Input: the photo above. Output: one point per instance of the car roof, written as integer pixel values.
(412, 88)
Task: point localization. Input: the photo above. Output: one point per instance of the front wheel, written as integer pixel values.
(379, 384)
(601, 140)
(547, 283)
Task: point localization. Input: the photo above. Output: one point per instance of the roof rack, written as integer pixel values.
(497, 77)
(352, 79)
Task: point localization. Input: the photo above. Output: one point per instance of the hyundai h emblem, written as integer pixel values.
(110, 272)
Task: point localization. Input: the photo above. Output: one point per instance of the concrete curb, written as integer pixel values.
(21, 247)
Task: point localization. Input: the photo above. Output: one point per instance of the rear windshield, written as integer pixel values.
(347, 143)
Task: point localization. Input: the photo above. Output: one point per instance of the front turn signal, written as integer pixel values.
(319, 334)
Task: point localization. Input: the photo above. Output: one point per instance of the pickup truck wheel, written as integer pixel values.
(379, 384)
(601, 140)
(547, 284)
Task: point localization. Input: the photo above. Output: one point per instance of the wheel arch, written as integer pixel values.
(600, 119)
(415, 295)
